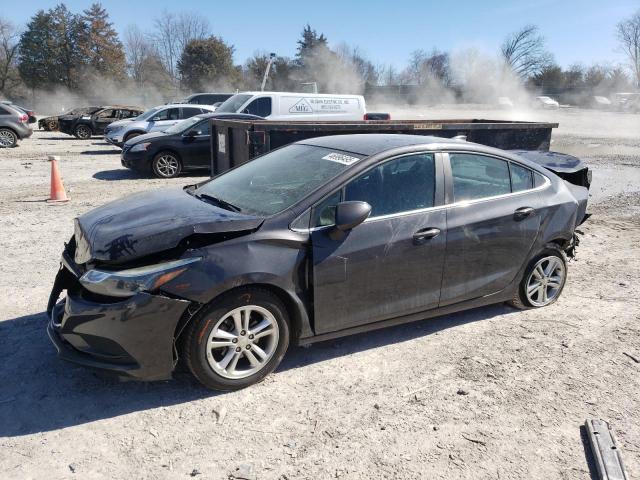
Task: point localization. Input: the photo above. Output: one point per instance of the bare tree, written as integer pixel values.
(525, 52)
(173, 32)
(629, 36)
(9, 38)
(137, 49)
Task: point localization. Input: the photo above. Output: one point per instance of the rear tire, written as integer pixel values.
(237, 340)
(82, 132)
(8, 138)
(166, 165)
(543, 280)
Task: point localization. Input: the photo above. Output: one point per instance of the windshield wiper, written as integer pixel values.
(222, 203)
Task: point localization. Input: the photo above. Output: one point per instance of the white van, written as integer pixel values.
(290, 106)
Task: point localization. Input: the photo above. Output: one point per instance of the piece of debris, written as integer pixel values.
(244, 471)
(376, 406)
(220, 414)
(527, 337)
(195, 472)
(462, 391)
(153, 433)
(474, 440)
(72, 467)
(635, 359)
(606, 454)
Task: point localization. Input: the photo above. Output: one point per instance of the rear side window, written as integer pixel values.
(189, 112)
(400, 185)
(521, 178)
(260, 106)
(476, 176)
(107, 114)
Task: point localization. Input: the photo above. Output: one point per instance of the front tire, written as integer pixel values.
(543, 280)
(82, 132)
(237, 340)
(8, 138)
(166, 165)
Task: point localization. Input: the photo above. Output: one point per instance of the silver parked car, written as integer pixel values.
(156, 119)
(14, 125)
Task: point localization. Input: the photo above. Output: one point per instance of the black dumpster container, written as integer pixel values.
(234, 142)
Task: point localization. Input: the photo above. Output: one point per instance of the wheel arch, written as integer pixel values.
(296, 310)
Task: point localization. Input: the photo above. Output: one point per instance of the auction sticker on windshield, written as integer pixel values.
(341, 158)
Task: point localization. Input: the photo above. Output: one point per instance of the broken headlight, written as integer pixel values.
(126, 283)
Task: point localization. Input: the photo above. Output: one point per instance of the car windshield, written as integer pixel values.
(148, 113)
(231, 105)
(277, 180)
(183, 126)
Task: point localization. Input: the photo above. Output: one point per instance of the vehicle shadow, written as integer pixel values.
(41, 393)
(101, 152)
(119, 174)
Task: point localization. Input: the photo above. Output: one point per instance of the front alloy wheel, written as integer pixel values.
(166, 165)
(236, 340)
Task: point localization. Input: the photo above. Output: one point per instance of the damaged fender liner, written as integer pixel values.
(132, 338)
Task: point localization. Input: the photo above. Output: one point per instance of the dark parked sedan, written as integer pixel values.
(319, 239)
(184, 146)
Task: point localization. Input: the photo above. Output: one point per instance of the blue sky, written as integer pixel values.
(387, 31)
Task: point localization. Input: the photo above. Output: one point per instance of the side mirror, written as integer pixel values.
(191, 133)
(348, 216)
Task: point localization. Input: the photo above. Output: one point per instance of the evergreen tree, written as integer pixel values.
(207, 62)
(68, 49)
(36, 64)
(103, 50)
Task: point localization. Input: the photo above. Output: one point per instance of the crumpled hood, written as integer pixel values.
(150, 222)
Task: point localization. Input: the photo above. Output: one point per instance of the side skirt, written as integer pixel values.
(498, 297)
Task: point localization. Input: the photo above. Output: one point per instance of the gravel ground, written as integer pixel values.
(488, 393)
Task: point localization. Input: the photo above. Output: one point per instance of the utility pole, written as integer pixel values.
(272, 57)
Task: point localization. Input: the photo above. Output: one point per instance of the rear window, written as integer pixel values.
(4, 111)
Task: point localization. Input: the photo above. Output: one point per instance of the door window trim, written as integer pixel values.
(438, 199)
(448, 180)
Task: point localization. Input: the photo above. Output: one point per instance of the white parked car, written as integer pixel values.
(156, 119)
(291, 106)
(545, 102)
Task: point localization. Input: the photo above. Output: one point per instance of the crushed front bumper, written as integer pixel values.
(132, 337)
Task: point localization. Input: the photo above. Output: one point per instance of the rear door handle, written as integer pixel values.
(421, 236)
(523, 212)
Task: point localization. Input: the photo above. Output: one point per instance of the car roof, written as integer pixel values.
(186, 105)
(374, 143)
(130, 107)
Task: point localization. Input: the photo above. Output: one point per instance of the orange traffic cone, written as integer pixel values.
(57, 189)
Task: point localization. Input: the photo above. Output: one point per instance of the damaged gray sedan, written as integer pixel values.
(322, 238)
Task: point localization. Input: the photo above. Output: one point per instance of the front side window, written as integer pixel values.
(400, 185)
(521, 178)
(167, 114)
(106, 114)
(233, 104)
(477, 176)
(260, 106)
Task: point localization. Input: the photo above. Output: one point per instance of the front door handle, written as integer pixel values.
(523, 212)
(421, 236)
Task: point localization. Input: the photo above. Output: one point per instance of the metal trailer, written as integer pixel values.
(234, 142)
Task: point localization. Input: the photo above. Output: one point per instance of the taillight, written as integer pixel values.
(24, 118)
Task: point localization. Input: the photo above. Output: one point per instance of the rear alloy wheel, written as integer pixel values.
(237, 340)
(166, 165)
(543, 281)
(8, 138)
(82, 132)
